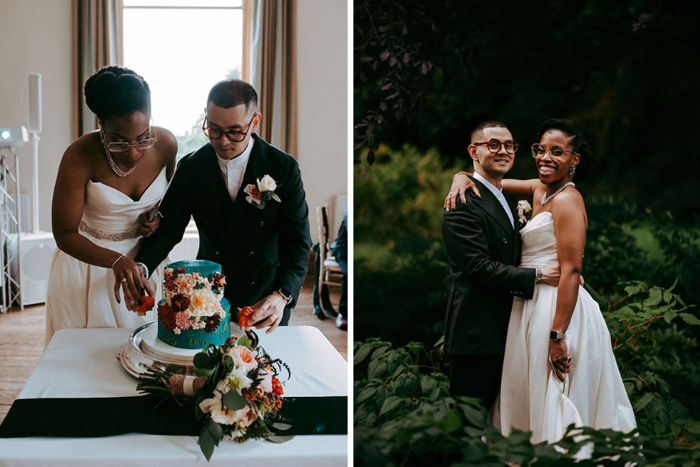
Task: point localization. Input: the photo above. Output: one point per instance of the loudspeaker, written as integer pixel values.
(36, 252)
(34, 103)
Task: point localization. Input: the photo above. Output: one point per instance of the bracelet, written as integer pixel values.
(461, 172)
(115, 261)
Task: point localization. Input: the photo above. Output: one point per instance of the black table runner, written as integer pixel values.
(110, 416)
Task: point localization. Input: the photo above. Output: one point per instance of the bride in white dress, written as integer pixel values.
(559, 367)
(108, 183)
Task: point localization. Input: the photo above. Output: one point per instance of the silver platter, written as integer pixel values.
(137, 358)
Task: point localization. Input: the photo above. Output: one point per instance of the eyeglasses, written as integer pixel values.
(235, 136)
(556, 151)
(494, 146)
(124, 146)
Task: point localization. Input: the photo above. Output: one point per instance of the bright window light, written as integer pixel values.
(182, 48)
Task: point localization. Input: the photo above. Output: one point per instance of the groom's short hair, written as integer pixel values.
(232, 92)
(478, 132)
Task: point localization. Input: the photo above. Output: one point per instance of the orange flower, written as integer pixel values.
(244, 315)
(146, 303)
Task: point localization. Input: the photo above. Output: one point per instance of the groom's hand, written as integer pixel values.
(268, 312)
(147, 226)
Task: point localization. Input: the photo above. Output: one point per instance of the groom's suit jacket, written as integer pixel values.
(260, 250)
(483, 249)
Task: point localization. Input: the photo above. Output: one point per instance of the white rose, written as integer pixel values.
(267, 184)
(224, 416)
(207, 405)
(265, 380)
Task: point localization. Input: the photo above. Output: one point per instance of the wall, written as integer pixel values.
(36, 37)
(322, 79)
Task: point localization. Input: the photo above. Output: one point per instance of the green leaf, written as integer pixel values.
(233, 401)
(390, 403)
(281, 426)
(643, 402)
(362, 353)
(244, 341)
(366, 393)
(279, 439)
(669, 315)
(276, 198)
(203, 360)
(202, 372)
(690, 319)
(206, 442)
(216, 432)
(668, 296)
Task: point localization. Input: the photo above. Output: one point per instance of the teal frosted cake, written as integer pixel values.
(193, 313)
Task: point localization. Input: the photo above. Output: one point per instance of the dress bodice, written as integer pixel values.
(539, 242)
(109, 210)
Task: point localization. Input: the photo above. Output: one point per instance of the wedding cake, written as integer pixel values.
(193, 313)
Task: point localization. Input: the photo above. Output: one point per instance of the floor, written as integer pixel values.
(22, 341)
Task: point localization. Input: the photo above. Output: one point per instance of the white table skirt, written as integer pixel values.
(82, 363)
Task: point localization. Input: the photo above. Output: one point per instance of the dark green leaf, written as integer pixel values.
(244, 341)
(203, 360)
(279, 439)
(233, 401)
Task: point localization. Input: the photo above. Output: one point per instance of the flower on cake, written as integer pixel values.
(261, 192)
(192, 301)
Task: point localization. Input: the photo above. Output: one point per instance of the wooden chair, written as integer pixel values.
(328, 272)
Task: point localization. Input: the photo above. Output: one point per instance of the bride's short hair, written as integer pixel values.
(587, 162)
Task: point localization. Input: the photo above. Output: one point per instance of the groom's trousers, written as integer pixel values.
(476, 376)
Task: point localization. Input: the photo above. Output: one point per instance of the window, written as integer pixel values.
(182, 48)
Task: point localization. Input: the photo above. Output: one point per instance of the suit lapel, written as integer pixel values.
(490, 204)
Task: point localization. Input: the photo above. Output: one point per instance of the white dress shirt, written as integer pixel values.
(499, 196)
(234, 169)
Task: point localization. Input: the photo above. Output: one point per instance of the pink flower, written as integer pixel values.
(243, 358)
(182, 320)
(265, 380)
(220, 414)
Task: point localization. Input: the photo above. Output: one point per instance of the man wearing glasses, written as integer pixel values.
(483, 249)
(248, 202)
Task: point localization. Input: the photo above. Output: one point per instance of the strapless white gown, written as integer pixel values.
(531, 397)
(80, 295)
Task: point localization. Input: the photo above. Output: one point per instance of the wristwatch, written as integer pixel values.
(538, 276)
(287, 296)
(556, 336)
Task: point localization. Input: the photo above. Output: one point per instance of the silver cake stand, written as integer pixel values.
(144, 351)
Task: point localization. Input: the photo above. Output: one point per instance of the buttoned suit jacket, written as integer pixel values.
(260, 250)
(483, 250)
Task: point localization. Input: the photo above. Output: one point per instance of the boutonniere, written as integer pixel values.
(523, 209)
(263, 191)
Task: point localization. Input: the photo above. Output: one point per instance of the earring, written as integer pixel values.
(572, 170)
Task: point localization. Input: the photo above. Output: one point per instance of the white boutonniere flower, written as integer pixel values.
(263, 191)
(523, 208)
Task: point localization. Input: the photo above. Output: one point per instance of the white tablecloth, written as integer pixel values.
(82, 363)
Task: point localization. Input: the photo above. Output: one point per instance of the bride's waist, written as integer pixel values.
(538, 260)
(114, 233)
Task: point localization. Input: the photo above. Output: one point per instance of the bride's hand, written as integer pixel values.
(460, 184)
(130, 275)
(148, 227)
(559, 358)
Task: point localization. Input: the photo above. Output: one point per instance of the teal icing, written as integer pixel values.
(198, 338)
(203, 267)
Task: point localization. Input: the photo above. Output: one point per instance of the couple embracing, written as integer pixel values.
(521, 333)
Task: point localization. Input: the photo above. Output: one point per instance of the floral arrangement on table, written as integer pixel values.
(191, 301)
(263, 191)
(237, 388)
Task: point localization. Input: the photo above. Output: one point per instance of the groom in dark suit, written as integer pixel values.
(248, 202)
(483, 248)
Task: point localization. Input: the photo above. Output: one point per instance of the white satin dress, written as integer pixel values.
(80, 295)
(531, 397)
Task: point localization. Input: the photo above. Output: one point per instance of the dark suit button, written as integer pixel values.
(217, 252)
(251, 253)
(505, 240)
(252, 284)
(262, 223)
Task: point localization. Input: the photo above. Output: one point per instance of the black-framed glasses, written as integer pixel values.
(494, 146)
(122, 146)
(539, 150)
(235, 136)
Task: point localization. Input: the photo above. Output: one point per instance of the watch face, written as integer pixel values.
(554, 335)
